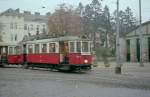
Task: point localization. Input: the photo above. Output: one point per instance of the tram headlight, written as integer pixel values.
(85, 61)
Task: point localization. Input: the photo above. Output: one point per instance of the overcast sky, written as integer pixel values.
(36, 5)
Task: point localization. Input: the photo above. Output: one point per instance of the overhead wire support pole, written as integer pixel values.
(118, 61)
(141, 35)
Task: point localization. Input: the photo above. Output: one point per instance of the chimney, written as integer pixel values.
(10, 10)
(27, 12)
(17, 10)
(37, 13)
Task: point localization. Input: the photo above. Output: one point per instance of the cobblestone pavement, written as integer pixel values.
(100, 82)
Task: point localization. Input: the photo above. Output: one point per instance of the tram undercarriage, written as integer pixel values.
(60, 67)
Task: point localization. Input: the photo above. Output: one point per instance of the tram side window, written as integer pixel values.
(44, 48)
(85, 47)
(72, 49)
(30, 49)
(10, 50)
(52, 47)
(17, 50)
(37, 48)
(78, 46)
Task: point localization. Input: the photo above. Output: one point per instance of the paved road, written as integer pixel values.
(100, 82)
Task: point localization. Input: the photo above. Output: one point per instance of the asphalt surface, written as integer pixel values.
(100, 82)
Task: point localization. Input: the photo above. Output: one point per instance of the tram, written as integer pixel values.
(9, 54)
(61, 53)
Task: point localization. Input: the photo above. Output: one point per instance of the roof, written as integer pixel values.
(63, 38)
(27, 15)
(35, 18)
(143, 24)
(8, 43)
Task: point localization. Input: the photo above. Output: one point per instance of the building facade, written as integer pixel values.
(130, 44)
(15, 25)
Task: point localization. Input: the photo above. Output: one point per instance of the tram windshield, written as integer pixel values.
(85, 47)
(79, 47)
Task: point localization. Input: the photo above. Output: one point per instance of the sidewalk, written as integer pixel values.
(132, 74)
(125, 64)
(127, 68)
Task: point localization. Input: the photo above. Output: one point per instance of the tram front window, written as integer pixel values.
(85, 47)
(78, 46)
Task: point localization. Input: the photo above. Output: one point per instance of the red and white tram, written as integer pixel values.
(14, 55)
(9, 53)
(63, 53)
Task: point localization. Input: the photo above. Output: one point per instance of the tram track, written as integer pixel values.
(93, 78)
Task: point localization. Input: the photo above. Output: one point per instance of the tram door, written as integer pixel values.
(63, 51)
(24, 53)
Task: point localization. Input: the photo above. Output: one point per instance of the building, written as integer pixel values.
(16, 24)
(130, 44)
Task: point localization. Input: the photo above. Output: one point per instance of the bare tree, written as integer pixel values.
(63, 21)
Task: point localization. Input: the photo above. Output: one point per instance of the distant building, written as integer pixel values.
(130, 45)
(16, 24)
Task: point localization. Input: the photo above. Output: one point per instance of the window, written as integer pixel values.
(17, 50)
(37, 48)
(15, 25)
(28, 28)
(78, 46)
(52, 47)
(85, 47)
(11, 25)
(31, 27)
(25, 27)
(72, 48)
(44, 29)
(44, 48)
(30, 49)
(44, 26)
(38, 27)
(16, 37)
(10, 50)
(11, 37)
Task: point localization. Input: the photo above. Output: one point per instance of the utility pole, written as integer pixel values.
(118, 61)
(94, 20)
(141, 35)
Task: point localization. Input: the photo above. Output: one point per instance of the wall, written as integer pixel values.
(13, 28)
(133, 36)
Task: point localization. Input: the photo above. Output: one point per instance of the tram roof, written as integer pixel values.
(64, 38)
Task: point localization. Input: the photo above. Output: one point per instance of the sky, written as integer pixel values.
(51, 5)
